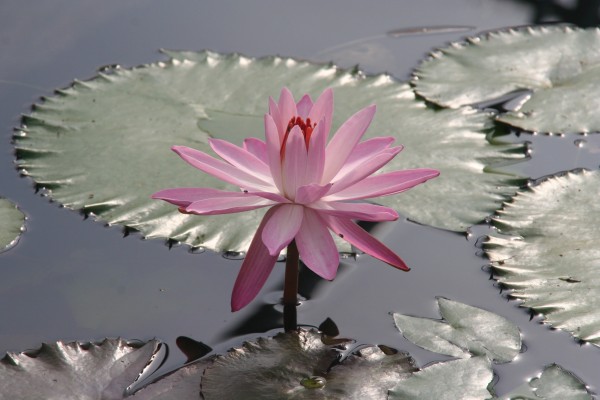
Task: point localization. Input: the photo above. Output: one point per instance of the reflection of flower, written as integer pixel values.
(310, 185)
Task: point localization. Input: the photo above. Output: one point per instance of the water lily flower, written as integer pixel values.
(310, 184)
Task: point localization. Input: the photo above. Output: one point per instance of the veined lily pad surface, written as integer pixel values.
(301, 365)
(12, 224)
(103, 146)
(549, 255)
(560, 65)
(75, 371)
(467, 331)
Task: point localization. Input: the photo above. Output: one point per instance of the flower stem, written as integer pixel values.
(290, 289)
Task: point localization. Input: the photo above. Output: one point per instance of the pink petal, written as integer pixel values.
(345, 140)
(366, 150)
(240, 158)
(360, 211)
(282, 227)
(276, 115)
(220, 169)
(227, 205)
(294, 163)
(258, 148)
(287, 108)
(273, 151)
(276, 197)
(315, 162)
(361, 239)
(364, 170)
(183, 197)
(384, 184)
(310, 193)
(323, 110)
(316, 246)
(255, 270)
(304, 105)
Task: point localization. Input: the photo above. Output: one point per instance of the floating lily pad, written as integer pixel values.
(560, 65)
(550, 257)
(553, 384)
(103, 146)
(181, 384)
(299, 365)
(12, 224)
(75, 370)
(466, 331)
(465, 379)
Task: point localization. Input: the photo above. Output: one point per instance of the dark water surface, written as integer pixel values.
(74, 279)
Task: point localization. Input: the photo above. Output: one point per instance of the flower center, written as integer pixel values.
(307, 128)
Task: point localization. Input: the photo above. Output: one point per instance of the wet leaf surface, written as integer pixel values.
(12, 224)
(465, 379)
(549, 255)
(75, 370)
(553, 384)
(560, 65)
(299, 365)
(465, 331)
(131, 118)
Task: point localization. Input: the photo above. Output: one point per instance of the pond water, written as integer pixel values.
(74, 279)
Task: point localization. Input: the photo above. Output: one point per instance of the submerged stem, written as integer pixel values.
(290, 289)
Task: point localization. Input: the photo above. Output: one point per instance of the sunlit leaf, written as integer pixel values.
(12, 224)
(299, 365)
(465, 379)
(466, 331)
(75, 371)
(550, 256)
(553, 384)
(560, 65)
(103, 146)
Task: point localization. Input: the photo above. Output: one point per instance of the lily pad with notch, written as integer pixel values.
(465, 332)
(102, 146)
(560, 65)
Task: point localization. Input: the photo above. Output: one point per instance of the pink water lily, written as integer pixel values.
(311, 186)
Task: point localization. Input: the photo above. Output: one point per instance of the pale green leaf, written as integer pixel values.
(75, 371)
(466, 331)
(102, 146)
(465, 379)
(560, 65)
(12, 224)
(550, 256)
(553, 384)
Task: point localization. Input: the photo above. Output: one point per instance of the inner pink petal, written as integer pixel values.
(345, 140)
(304, 106)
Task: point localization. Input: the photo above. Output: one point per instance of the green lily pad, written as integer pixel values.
(466, 331)
(553, 384)
(299, 365)
(560, 65)
(550, 256)
(69, 371)
(103, 146)
(464, 379)
(12, 223)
